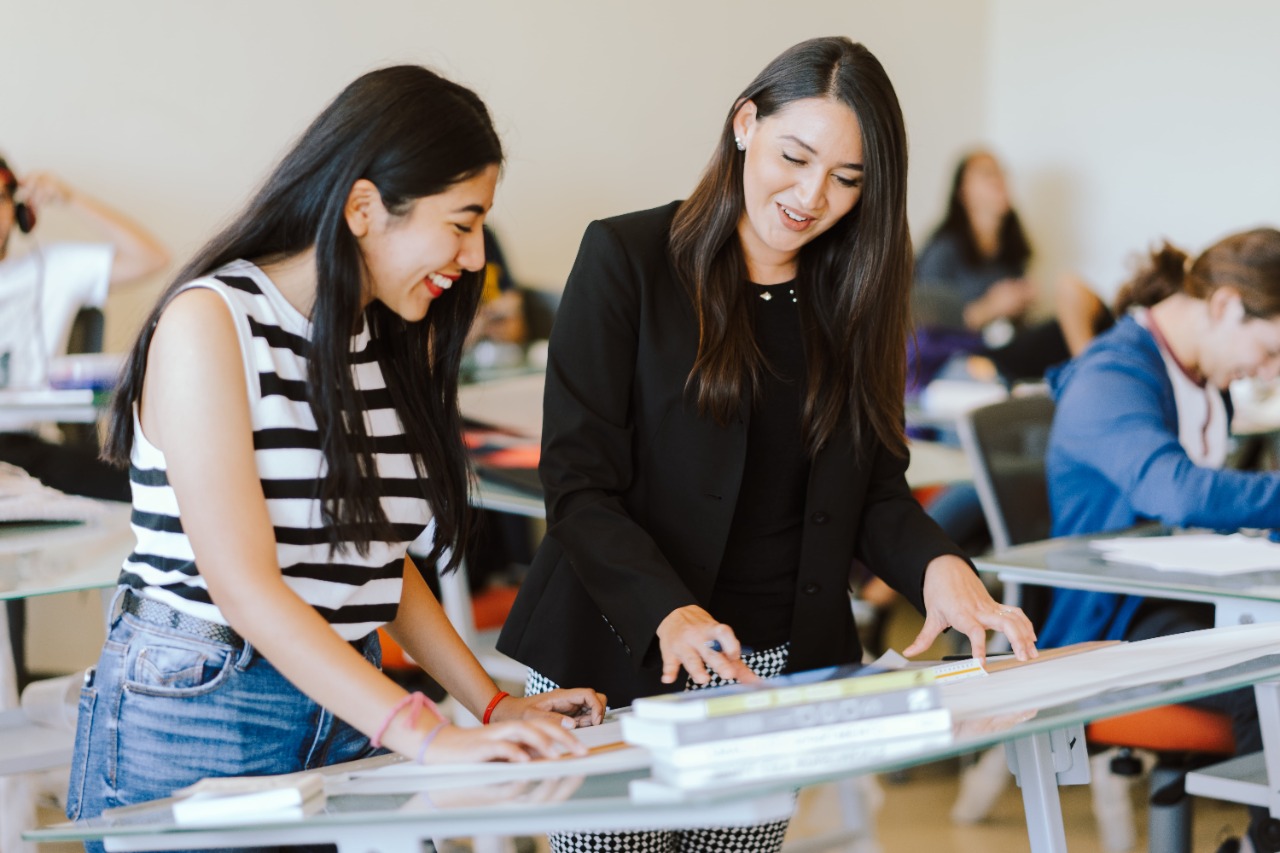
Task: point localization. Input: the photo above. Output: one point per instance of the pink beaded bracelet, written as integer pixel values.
(416, 701)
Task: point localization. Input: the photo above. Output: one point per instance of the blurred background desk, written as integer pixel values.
(19, 409)
(1070, 563)
(42, 560)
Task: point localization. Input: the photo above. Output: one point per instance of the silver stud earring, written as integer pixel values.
(742, 146)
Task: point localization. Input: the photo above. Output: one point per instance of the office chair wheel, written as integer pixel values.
(1269, 834)
(1125, 763)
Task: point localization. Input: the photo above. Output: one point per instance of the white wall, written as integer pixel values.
(1126, 122)
(174, 111)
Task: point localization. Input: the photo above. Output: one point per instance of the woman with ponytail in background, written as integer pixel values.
(1141, 432)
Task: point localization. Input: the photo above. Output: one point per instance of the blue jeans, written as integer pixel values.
(163, 709)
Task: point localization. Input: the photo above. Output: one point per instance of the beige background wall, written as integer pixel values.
(1125, 122)
(176, 110)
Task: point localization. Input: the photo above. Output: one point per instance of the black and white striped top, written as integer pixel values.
(355, 594)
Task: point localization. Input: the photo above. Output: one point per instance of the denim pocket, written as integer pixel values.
(80, 758)
(168, 666)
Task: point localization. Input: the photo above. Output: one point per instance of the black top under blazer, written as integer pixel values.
(641, 490)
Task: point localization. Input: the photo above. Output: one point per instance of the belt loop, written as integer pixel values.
(116, 608)
(247, 653)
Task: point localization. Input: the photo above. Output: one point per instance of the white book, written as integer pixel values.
(835, 735)
(796, 688)
(236, 798)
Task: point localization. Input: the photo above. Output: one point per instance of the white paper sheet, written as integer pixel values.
(1206, 554)
(608, 755)
(1073, 677)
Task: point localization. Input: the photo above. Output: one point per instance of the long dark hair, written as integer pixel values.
(853, 280)
(1249, 262)
(412, 134)
(1013, 248)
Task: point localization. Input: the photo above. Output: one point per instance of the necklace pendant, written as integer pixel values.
(766, 296)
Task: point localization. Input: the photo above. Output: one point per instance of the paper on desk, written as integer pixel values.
(1206, 554)
(608, 754)
(1124, 665)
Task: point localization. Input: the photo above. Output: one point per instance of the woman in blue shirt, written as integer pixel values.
(1141, 429)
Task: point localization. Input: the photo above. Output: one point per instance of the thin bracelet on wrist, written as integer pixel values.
(493, 703)
(430, 736)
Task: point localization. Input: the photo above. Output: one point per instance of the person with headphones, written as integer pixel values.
(40, 292)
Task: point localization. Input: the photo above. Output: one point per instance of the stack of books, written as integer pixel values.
(811, 722)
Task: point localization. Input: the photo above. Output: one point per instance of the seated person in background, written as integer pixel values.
(40, 292)
(1141, 432)
(499, 334)
(971, 293)
(971, 303)
(504, 543)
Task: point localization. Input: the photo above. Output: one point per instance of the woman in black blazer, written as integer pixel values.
(723, 420)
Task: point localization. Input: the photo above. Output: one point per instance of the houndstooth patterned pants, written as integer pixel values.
(761, 838)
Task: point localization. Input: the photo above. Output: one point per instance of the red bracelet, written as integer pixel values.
(493, 703)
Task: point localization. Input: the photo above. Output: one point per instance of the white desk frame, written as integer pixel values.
(1248, 779)
(1047, 753)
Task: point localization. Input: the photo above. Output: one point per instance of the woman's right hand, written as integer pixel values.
(689, 636)
(516, 741)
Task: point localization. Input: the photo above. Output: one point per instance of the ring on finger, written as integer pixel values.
(1005, 611)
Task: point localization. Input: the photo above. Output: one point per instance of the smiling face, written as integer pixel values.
(1238, 345)
(413, 257)
(802, 172)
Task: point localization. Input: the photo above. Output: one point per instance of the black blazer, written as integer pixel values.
(641, 490)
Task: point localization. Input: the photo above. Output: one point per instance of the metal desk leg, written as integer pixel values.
(1040, 763)
(1268, 698)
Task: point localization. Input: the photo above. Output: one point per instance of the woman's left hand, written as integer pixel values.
(955, 597)
(570, 707)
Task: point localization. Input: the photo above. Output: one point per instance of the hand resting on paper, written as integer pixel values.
(954, 597)
(569, 708)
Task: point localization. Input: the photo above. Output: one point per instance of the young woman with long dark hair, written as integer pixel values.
(289, 417)
(723, 430)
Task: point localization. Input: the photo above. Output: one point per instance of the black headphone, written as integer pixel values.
(23, 214)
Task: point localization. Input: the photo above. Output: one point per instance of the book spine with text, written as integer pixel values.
(661, 734)
(834, 736)
(689, 705)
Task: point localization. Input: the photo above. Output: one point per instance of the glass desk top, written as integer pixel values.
(40, 559)
(442, 805)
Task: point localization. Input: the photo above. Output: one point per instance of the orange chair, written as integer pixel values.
(1182, 737)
